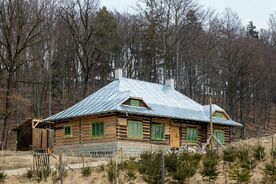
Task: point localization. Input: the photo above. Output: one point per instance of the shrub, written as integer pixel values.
(241, 175)
(210, 170)
(101, 168)
(230, 154)
(273, 153)
(245, 158)
(171, 160)
(3, 176)
(259, 152)
(111, 171)
(150, 167)
(243, 153)
(86, 171)
(56, 174)
(270, 172)
(42, 174)
(29, 174)
(182, 166)
(131, 168)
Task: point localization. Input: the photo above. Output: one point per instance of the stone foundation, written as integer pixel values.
(107, 149)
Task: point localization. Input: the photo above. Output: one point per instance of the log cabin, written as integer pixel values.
(136, 116)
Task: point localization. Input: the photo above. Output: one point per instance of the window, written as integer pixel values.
(157, 132)
(191, 134)
(67, 130)
(219, 134)
(97, 129)
(219, 115)
(135, 103)
(134, 129)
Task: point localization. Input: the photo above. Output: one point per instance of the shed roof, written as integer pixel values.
(163, 101)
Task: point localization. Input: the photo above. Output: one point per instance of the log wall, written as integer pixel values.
(115, 129)
(81, 130)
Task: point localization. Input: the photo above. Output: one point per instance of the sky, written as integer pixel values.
(257, 11)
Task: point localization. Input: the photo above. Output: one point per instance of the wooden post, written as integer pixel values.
(82, 162)
(117, 173)
(211, 125)
(163, 167)
(60, 169)
(272, 142)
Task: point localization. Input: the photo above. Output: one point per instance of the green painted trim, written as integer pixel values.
(71, 131)
(128, 132)
(91, 129)
(151, 132)
(219, 132)
(187, 135)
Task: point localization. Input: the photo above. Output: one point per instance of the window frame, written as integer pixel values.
(135, 103)
(71, 131)
(128, 131)
(91, 130)
(187, 139)
(220, 131)
(151, 132)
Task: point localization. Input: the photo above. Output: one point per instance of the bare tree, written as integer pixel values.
(20, 28)
(80, 17)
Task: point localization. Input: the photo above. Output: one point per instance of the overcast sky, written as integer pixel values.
(256, 10)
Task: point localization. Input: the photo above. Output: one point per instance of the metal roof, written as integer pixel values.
(162, 100)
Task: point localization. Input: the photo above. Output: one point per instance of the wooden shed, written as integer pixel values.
(32, 134)
(136, 116)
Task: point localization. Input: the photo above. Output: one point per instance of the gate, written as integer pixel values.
(41, 163)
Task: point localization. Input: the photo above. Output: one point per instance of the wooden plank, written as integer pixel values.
(44, 138)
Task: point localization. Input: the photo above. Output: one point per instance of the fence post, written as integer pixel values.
(163, 167)
(117, 173)
(272, 142)
(60, 169)
(82, 162)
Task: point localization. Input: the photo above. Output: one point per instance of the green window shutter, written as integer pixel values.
(219, 134)
(67, 130)
(134, 129)
(157, 132)
(97, 129)
(191, 134)
(135, 103)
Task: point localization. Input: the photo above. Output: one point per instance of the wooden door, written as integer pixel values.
(175, 138)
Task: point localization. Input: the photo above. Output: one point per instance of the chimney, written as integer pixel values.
(119, 73)
(170, 83)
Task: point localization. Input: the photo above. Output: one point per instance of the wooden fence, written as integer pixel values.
(41, 163)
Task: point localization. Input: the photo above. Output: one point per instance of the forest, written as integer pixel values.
(53, 53)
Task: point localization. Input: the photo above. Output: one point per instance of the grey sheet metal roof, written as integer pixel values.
(162, 100)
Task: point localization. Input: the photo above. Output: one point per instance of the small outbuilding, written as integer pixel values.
(32, 134)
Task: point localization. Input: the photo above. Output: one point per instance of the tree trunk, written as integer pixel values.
(6, 115)
(85, 85)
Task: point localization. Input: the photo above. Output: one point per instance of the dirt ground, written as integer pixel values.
(13, 161)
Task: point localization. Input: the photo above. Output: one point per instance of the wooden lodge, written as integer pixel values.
(136, 116)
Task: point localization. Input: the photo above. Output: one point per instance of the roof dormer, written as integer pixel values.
(220, 114)
(135, 102)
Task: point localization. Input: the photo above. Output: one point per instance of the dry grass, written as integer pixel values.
(24, 159)
(15, 160)
(97, 177)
